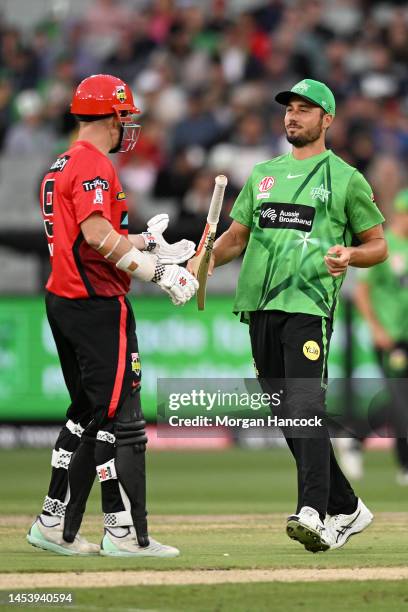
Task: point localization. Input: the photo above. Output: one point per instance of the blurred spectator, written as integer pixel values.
(196, 200)
(30, 135)
(200, 126)
(249, 146)
(5, 108)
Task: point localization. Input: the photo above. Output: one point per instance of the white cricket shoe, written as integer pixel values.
(307, 528)
(50, 538)
(350, 456)
(342, 526)
(127, 546)
(402, 478)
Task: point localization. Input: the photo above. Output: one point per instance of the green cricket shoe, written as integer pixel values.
(307, 528)
(127, 546)
(50, 538)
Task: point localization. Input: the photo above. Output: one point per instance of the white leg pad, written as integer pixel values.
(106, 471)
(118, 519)
(61, 458)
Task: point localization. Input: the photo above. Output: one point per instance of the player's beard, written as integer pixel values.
(311, 135)
(116, 148)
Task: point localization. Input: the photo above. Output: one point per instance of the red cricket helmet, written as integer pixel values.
(104, 94)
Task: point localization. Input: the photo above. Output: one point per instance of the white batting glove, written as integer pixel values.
(177, 282)
(155, 243)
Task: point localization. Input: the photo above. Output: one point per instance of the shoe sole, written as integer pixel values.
(310, 539)
(122, 553)
(350, 535)
(60, 550)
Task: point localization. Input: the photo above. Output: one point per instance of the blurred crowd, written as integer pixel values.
(204, 76)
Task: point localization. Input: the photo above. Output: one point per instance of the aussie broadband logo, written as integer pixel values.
(274, 215)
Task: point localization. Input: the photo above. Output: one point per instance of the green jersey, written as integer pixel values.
(388, 282)
(296, 210)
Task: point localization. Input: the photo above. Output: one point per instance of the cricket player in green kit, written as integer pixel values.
(296, 216)
(382, 298)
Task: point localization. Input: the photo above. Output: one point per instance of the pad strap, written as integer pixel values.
(61, 458)
(54, 506)
(117, 519)
(74, 428)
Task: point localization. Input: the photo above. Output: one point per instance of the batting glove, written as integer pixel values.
(155, 243)
(177, 282)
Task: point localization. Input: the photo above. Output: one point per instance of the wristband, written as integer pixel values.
(149, 240)
(138, 264)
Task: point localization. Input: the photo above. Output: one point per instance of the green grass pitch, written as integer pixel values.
(224, 510)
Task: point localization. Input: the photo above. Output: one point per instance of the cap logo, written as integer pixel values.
(301, 87)
(121, 93)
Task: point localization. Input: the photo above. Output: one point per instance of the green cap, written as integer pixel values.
(313, 91)
(401, 201)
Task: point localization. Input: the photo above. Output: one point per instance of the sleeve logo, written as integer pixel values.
(98, 199)
(96, 183)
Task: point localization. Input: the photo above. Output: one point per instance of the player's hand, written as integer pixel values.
(337, 259)
(178, 283)
(191, 268)
(168, 254)
(381, 338)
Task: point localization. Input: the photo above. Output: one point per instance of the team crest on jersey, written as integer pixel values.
(320, 193)
(266, 183)
(121, 93)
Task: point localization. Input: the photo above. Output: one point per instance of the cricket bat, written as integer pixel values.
(200, 262)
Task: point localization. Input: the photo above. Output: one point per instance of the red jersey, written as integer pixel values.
(80, 182)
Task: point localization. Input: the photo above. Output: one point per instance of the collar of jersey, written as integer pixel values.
(88, 145)
(309, 160)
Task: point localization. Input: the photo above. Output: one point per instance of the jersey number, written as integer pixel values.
(48, 211)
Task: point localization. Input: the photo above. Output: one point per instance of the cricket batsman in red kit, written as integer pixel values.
(93, 259)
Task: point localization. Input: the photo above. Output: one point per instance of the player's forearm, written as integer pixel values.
(369, 253)
(228, 246)
(138, 241)
(101, 236)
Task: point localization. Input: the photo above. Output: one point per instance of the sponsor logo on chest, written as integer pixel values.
(264, 186)
(274, 215)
